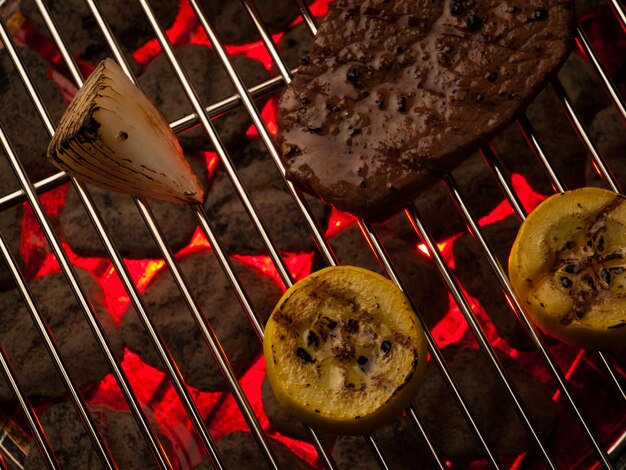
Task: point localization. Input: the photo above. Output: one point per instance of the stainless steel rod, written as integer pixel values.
(52, 348)
(9, 373)
(585, 45)
(583, 133)
(321, 242)
(497, 168)
(535, 335)
(620, 13)
(481, 337)
(68, 270)
(307, 16)
(252, 212)
(164, 354)
(385, 262)
(530, 135)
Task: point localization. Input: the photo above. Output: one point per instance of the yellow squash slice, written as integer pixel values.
(568, 264)
(344, 351)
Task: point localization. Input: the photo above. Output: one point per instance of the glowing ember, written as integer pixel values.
(178, 33)
(269, 113)
(338, 221)
(299, 265)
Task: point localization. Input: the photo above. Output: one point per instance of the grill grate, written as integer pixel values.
(202, 115)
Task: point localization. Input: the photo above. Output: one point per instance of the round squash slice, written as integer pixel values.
(567, 268)
(344, 351)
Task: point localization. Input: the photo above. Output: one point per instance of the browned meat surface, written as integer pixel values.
(395, 93)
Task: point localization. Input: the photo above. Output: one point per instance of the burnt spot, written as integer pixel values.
(304, 355)
(443, 59)
(457, 8)
(352, 326)
(329, 323)
(590, 282)
(354, 76)
(491, 76)
(474, 23)
(402, 104)
(385, 346)
(540, 14)
(573, 268)
(312, 339)
(121, 135)
(315, 128)
(618, 325)
(290, 151)
(566, 282)
(361, 360)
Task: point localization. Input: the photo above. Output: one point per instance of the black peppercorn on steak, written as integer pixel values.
(395, 93)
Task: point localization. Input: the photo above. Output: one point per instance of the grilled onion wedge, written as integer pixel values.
(112, 136)
(568, 268)
(344, 351)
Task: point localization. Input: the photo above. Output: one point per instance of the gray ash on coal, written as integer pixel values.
(487, 399)
(295, 45)
(80, 30)
(11, 226)
(19, 116)
(283, 422)
(220, 306)
(422, 281)
(35, 371)
(239, 449)
(126, 226)
(476, 275)
(211, 81)
(274, 203)
(73, 449)
(399, 441)
(234, 25)
(10, 223)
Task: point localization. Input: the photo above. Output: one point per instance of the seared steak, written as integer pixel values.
(395, 92)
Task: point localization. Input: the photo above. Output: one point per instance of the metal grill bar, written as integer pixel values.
(9, 374)
(165, 356)
(68, 270)
(497, 168)
(585, 45)
(478, 332)
(269, 144)
(522, 317)
(441, 364)
(531, 137)
(619, 13)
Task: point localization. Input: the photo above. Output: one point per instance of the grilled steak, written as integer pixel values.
(397, 92)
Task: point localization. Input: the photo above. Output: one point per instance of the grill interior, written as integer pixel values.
(585, 435)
